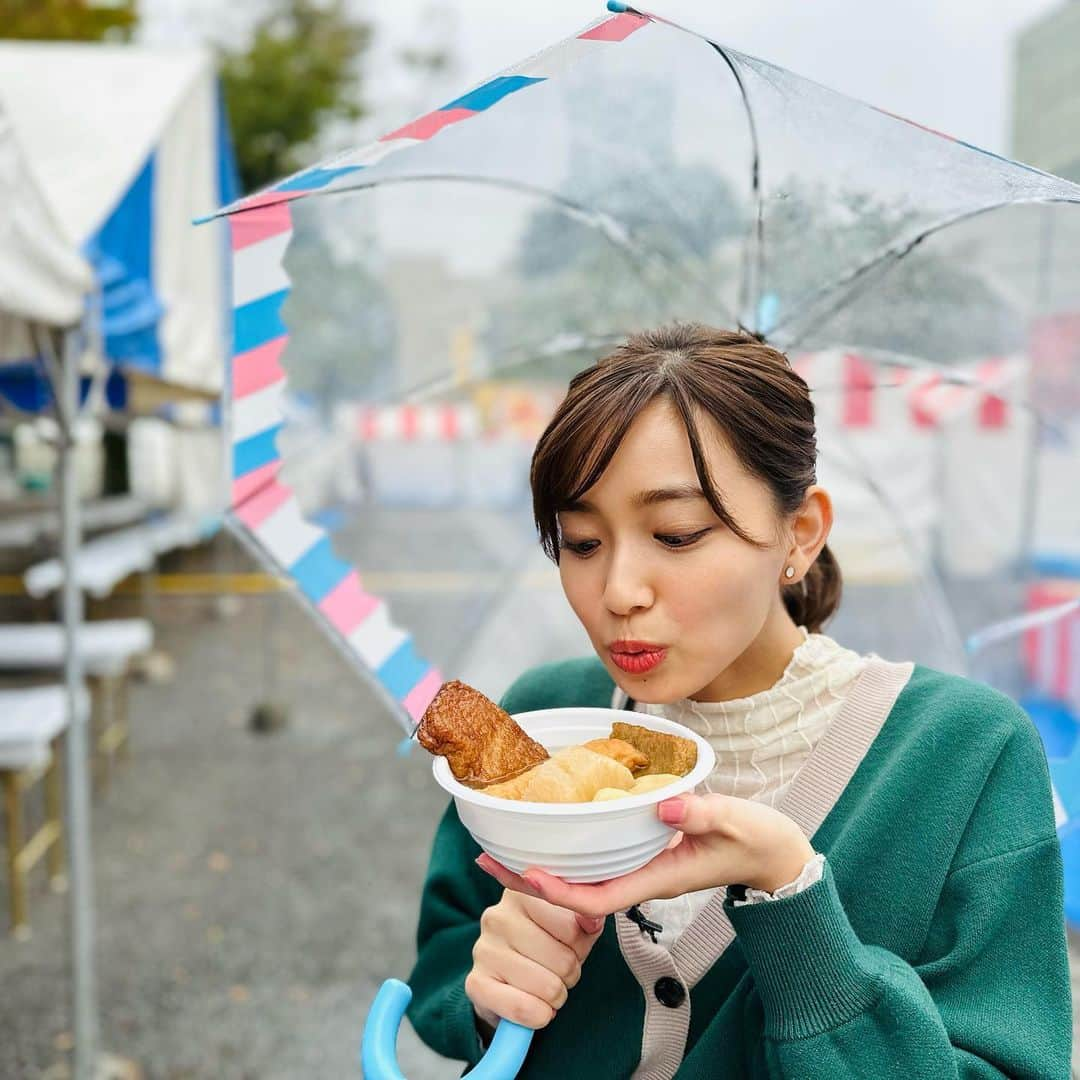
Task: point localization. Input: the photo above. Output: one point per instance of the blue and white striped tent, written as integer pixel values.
(126, 144)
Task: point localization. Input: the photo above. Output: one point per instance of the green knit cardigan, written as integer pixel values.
(933, 947)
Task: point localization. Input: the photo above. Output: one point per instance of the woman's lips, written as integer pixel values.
(637, 659)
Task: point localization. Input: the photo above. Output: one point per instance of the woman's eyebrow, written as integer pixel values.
(659, 495)
(643, 498)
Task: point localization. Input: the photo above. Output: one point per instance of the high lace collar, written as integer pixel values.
(818, 668)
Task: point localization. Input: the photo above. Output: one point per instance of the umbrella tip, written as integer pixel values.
(616, 6)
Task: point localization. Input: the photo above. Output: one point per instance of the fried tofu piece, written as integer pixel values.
(482, 743)
(622, 752)
(666, 753)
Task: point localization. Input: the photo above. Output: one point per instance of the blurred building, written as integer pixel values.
(1046, 93)
(438, 314)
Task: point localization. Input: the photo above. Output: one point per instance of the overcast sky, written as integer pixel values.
(944, 63)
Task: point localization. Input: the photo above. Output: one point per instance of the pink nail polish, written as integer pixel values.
(672, 811)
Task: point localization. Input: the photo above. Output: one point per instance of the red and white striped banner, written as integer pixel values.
(1052, 651)
(853, 392)
(417, 423)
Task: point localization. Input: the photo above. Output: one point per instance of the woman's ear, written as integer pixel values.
(810, 528)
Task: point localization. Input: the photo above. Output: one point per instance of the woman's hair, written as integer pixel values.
(748, 388)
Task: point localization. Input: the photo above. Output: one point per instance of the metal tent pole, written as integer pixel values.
(80, 867)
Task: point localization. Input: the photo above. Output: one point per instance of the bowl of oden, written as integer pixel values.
(572, 791)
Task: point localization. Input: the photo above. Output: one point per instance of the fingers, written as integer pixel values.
(506, 878)
(507, 1001)
(549, 981)
(699, 814)
(526, 960)
(503, 928)
(556, 923)
(659, 879)
(591, 901)
(579, 932)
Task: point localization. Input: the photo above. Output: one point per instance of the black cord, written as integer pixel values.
(646, 926)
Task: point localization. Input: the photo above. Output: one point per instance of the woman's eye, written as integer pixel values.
(680, 540)
(583, 547)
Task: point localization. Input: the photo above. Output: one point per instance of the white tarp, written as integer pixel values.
(43, 278)
(89, 118)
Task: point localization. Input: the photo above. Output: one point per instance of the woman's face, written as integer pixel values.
(675, 604)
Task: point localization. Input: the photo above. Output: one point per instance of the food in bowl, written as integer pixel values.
(481, 742)
(478, 738)
(573, 774)
(666, 753)
(578, 842)
(638, 787)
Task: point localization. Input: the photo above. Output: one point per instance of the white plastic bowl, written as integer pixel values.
(579, 842)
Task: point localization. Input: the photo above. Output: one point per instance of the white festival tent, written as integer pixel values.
(127, 145)
(106, 154)
(44, 280)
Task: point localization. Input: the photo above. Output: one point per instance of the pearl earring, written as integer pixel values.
(789, 573)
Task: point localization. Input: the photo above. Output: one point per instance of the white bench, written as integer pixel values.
(107, 648)
(103, 563)
(32, 724)
(99, 566)
(112, 512)
(31, 718)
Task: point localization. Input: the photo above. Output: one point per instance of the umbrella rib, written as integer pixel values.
(937, 600)
(1014, 625)
(618, 234)
(894, 252)
(754, 256)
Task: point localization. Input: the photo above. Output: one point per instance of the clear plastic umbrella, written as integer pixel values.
(407, 316)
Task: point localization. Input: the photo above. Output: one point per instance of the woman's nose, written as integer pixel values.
(626, 587)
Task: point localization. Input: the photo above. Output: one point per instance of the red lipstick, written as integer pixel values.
(637, 657)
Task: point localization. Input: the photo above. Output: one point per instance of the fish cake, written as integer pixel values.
(666, 753)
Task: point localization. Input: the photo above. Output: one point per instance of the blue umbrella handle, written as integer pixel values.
(378, 1051)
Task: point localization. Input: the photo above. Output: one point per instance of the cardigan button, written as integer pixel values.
(670, 992)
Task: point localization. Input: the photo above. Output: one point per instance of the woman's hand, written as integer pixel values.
(527, 959)
(722, 840)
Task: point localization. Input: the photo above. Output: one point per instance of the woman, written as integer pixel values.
(870, 885)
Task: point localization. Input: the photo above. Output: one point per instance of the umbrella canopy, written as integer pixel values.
(400, 339)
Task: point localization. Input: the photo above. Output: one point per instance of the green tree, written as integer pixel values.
(67, 20)
(300, 73)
